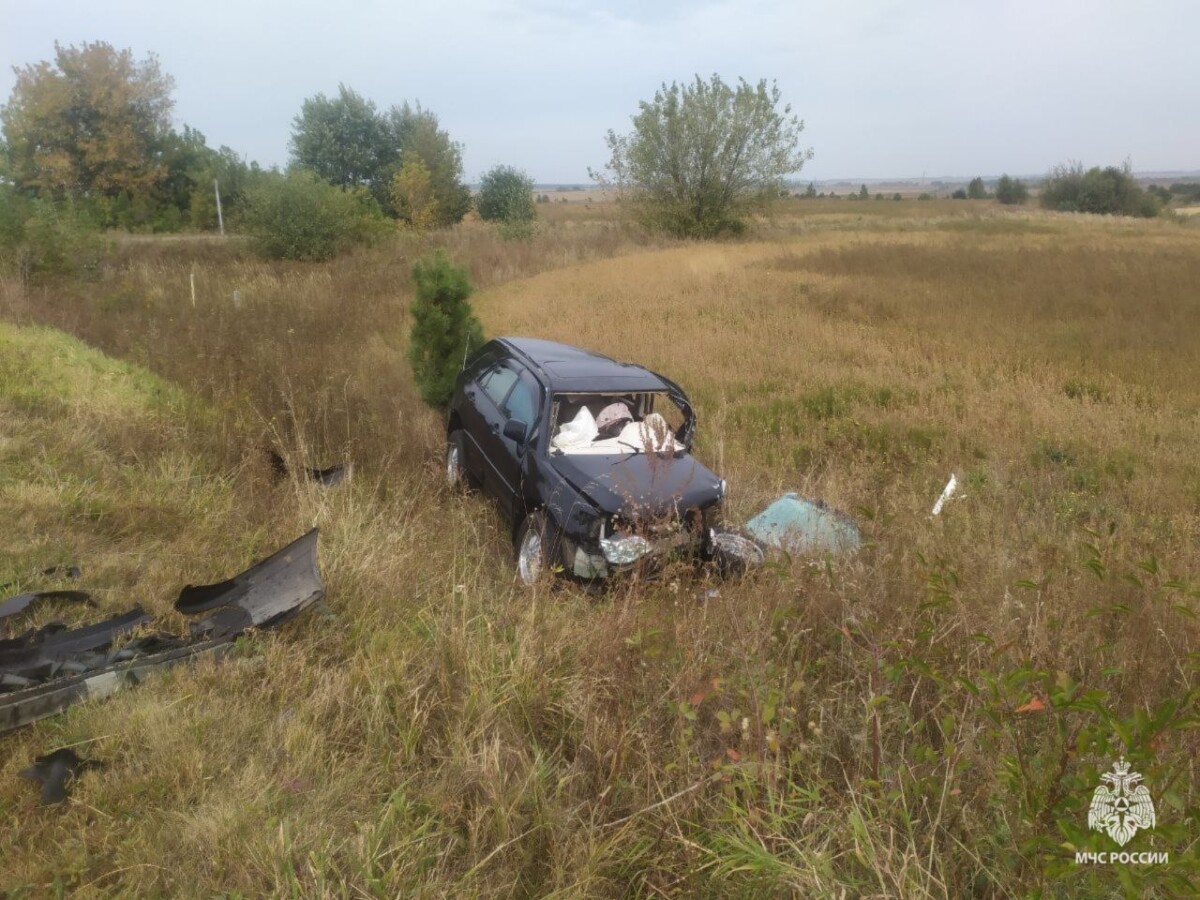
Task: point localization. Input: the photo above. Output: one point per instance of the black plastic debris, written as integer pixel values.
(71, 573)
(264, 594)
(45, 670)
(42, 653)
(56, 770)
(21, 602)
(328, 477)
(37, 702)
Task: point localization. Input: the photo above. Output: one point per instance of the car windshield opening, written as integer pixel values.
(613, 423)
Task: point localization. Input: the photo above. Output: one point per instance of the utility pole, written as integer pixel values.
(220, 218)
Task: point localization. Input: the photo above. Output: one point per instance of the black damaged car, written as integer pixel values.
(589, 458)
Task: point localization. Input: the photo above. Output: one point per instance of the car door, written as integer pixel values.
(465, 408)
(486, 422)
(524, 403)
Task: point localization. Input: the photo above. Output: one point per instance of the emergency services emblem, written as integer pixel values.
(1120, 806)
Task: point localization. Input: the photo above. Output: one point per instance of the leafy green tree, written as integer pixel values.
(1011, 191)
(227, 169)
(444, 328)
(41, 237)
(506, 195)
(349, 142)
(186, 192)
(416, 132)
(863, 194)
(976, 189)
(1107, 191)
(92, 122)
(413, 197)
(1188, 192)
(95, 127)
(1161, 192)
(302, 216)
(703, 156)
(346, 141)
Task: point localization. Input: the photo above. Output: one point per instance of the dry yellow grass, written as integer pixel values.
(847, 728)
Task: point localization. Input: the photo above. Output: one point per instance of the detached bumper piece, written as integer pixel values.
(266, 594)
(44, 671)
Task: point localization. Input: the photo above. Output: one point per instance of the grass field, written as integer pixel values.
(927, 719)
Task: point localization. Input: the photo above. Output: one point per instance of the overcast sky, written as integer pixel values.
(887, 89)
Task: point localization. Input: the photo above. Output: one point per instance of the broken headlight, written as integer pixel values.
(621, 550)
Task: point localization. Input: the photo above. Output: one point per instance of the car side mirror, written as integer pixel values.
(515, 430)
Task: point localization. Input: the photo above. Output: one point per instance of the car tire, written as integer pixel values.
(534, 545)
(458, 476)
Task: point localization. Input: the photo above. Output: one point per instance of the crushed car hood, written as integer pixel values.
(640, 484)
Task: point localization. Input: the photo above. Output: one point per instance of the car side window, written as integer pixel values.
(497, 382)
(480, 360)
(524, 401)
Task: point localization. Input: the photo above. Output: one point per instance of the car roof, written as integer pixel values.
(572, 369)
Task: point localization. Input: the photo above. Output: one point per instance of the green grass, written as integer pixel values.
(825, 728)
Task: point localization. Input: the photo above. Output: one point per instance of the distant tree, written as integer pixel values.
(348, 142)
(960, 194)
(92, 122)
(416, 131)
(925, 195)
(976, 189)
(1186, 191)
(444, 327)
(41, 237)
(897, 196)
(412, 195)
(703, 156)
(345, 141)
(192, 167)
(185, 157)
(811, 191)
(1162, 193)
(302, 216)
(1108, 191)
(1011, 191)
(879, 196)
(505, 195)
(863, 194)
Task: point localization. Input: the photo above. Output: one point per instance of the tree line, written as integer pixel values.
(88, 139)
(88, 144)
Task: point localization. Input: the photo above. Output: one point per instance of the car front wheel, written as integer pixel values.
(457, 476)
(534, 547)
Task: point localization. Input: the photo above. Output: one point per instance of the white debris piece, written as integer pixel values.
(947, 493)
